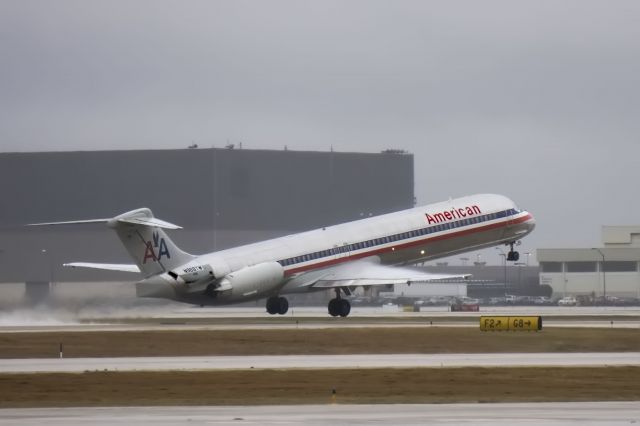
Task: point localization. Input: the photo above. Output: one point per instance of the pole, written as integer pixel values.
(519, 265)
(604, 275)
(47, 253)
(504, 259)
(504, 263)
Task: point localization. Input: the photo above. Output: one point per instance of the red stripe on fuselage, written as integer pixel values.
(463, 232)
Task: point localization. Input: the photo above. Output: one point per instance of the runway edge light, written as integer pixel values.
(505, 323)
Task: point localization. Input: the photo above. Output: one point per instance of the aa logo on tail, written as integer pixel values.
(157, 245)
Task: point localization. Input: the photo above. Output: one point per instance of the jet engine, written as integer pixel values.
(251, 281)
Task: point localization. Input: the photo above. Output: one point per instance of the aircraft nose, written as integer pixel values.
(531, 222)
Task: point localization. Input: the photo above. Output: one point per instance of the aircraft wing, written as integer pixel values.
(104, 266)
(369, 272)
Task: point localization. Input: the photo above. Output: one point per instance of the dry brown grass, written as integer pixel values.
(425, 385)
(314, 341)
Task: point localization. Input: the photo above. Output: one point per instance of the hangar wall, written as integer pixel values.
(222, 198)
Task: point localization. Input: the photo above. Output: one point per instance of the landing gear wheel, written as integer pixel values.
(273, 305)
(345, 307)
(339, 307)
(334, 307)
(513, 256)
(283, 305)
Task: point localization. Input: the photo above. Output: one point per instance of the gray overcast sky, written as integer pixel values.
(536, 100)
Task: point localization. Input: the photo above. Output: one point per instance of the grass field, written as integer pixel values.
(299, 386)
(252, 387)
(314, 341)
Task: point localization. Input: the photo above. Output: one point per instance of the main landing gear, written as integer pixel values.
(513, 256)
(277, 305)
(338, 306)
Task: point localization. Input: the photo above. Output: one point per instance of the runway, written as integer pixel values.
(173, 311)
(385, 311)
(170, 317)
(572, 413)
(167, 326)
(78, 365)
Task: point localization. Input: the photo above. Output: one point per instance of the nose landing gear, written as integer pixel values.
(513, 256)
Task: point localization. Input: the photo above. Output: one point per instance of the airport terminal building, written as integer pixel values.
(612, 270)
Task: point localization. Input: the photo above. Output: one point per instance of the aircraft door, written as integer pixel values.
(342, 251)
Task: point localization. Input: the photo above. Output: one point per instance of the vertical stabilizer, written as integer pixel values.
(147, 243)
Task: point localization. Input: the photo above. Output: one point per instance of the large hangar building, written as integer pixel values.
(222, 198)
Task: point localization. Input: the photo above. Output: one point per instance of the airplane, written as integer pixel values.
(365, 252)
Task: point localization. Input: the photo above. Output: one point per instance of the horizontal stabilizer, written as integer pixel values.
(149, 221)
(104, 266)
(70, 222)
(132, 220)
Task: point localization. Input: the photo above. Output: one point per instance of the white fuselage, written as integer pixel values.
(405, 237)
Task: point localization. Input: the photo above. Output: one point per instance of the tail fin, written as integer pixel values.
(147, 243)
(144, 238)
